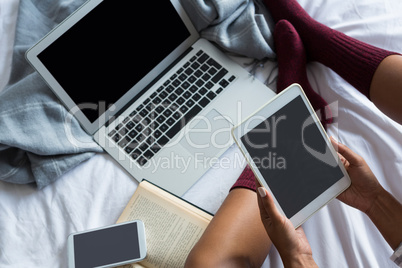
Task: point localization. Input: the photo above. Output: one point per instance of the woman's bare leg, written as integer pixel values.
(375, 72)
(235, 237)
(386, 87)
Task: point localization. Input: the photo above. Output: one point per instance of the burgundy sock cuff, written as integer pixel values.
(354, 60)
(246, 180)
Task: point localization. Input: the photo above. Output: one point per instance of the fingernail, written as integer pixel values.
(335, 140)
(262, 192)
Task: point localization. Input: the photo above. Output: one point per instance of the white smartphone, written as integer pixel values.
(291, 155)
(108, 246)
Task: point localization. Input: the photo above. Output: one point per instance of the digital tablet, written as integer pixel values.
(291, 155)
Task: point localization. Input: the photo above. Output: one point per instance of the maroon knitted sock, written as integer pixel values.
(353, 60)
(292, 67)
(245, 180)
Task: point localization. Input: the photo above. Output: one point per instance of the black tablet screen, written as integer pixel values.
(291, 154)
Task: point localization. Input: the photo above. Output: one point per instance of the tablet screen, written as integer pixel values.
(291, 154)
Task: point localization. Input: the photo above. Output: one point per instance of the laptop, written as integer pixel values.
(153, 94)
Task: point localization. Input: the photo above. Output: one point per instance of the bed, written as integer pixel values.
(34, 224)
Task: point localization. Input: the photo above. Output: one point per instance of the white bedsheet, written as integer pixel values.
(34, 224)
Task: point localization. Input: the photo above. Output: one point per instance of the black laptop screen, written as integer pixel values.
(113, 47)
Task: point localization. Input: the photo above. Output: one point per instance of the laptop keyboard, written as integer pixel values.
(162, 115)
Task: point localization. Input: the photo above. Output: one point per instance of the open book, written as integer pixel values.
(172, 225)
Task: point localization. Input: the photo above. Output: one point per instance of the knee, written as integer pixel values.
(209, 258)
(201, 258)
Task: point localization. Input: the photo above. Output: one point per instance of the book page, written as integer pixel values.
(171, 229)
(192, 209)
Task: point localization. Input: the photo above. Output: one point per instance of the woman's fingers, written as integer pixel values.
(346, 153)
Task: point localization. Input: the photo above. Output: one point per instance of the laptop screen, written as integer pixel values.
(113, 47)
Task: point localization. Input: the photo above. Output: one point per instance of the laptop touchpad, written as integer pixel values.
(208, 135)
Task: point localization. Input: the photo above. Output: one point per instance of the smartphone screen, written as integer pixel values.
(106, 246)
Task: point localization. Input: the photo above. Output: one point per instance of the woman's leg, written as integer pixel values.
(292, 68)
(386, 87)
(373, 71)
(235, 237)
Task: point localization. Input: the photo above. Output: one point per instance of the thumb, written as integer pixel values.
(268, 205)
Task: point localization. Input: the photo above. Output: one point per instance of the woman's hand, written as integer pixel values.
(365, 187)
(366, 194)
(291, 244)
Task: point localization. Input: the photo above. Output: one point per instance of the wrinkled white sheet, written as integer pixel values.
(34, 224)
